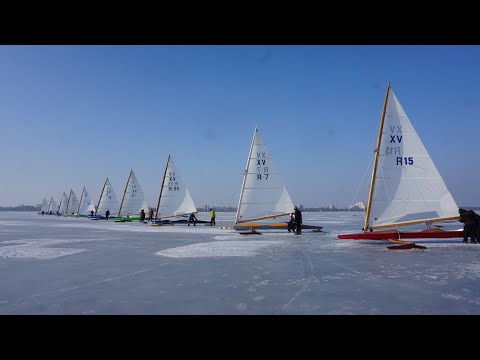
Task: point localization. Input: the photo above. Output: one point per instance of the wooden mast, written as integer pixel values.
(245, 177)
(124, 191)
(68, 202)
(161, 187)
(375, 161)
(101, 194)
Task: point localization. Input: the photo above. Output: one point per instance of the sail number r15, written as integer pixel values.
(404, 160)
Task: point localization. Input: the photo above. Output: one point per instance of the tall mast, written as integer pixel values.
(50, 204)
(124, 191)
(161, 187)
(245, 176)
(68, 202)
(80, 202)
(375, 161)
(101, 194)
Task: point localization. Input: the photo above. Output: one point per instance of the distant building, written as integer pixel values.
(206, 207)
(300, 207)
(358, 206)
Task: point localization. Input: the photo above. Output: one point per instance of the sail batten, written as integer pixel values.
(407, 188)
(263, 194)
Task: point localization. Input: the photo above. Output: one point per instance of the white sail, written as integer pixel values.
(63, 204)
(145, 207)
(91, 207)
(72, 206)
(108, 200)
(52, 207)
(174, 196)
(44, 207)
(408, 186)
(263, 192)
(133, 199)
(85, 205)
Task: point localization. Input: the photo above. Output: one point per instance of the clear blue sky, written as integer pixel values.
(72, 115)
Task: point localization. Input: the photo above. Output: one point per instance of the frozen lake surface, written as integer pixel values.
(59, 265)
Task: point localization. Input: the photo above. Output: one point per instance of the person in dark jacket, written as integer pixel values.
(291, 224)
(107, 214)
(476, 228)
(142, 215)
(469, 228)
(150, 215)
(477, 217)
(192, 218)
(298, 221)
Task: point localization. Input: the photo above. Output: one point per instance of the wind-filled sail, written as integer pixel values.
(44, 207)
(263, 192)
(408, 186)
(174, 197)
(145, 207)
(72, 206)
(86, 204)
(63, 204)
(133, 199)
(52, 207)
(108, 200)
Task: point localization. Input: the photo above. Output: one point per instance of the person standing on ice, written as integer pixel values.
(469, 228)
(212, 217)
(298, 221)
(107, 214)
(192, 218)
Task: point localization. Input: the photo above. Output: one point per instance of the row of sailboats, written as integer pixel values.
(406, 189)
(69, 205)
(174, 200)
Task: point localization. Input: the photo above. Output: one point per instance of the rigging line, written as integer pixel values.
(355, 196)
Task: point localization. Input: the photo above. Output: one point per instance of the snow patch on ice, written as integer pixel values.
(218, 248)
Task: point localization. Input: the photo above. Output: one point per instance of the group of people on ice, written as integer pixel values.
(295, 223)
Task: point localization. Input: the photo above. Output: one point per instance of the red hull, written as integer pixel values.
(386, 235)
